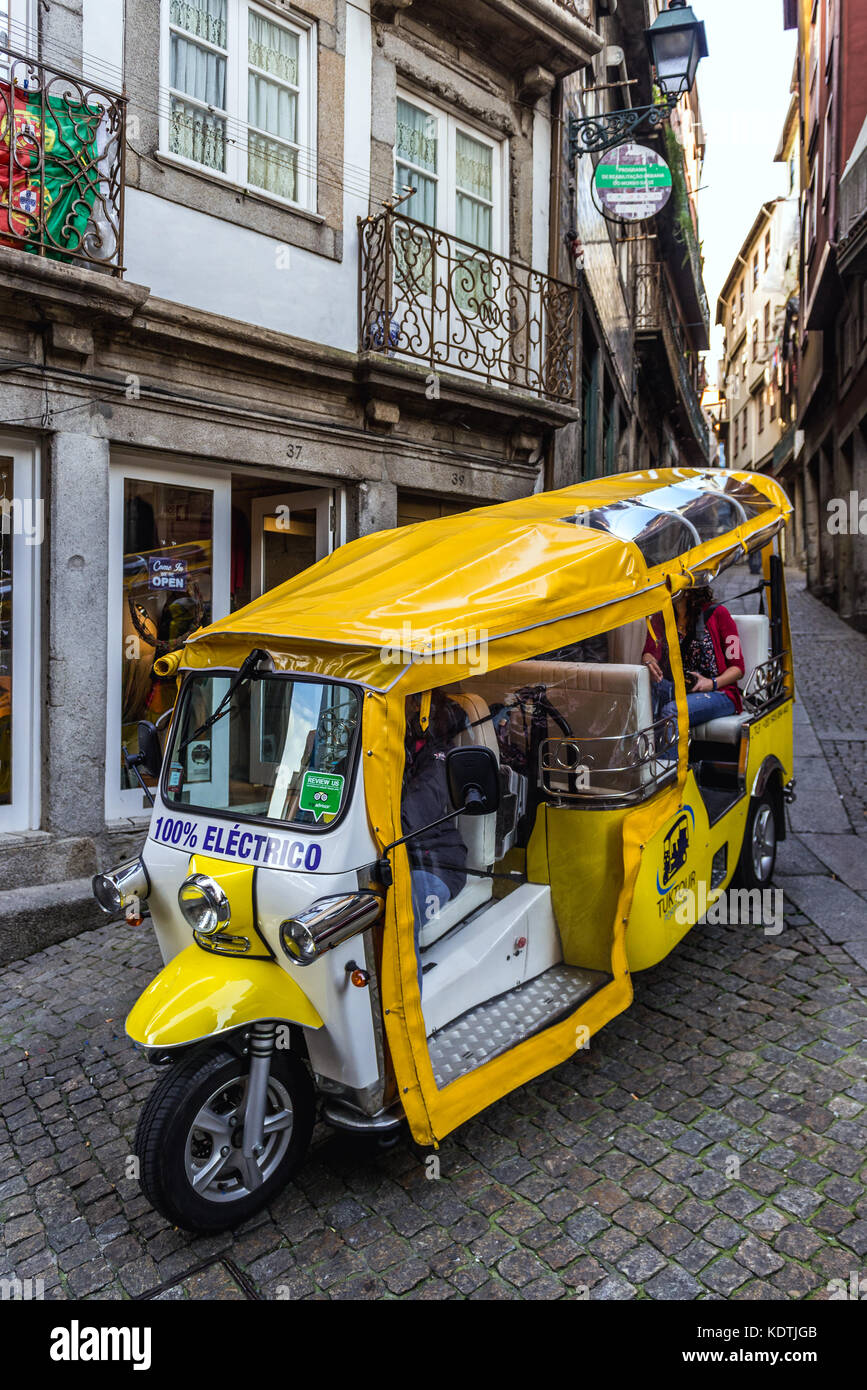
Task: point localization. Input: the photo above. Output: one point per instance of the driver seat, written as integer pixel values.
(478, 833)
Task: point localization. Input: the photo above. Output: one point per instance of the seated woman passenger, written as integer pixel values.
(437, 856)
(711, 656)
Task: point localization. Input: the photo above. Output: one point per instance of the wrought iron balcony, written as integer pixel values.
(654, 314)
(426, 296)
(61, 164)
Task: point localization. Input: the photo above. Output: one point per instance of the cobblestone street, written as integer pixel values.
(710, 1143)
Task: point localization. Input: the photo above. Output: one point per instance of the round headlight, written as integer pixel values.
(204, 905)
(298, 942)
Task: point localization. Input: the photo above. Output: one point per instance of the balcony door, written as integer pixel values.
(450, 300)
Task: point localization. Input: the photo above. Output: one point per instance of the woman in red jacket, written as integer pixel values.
(711, 656)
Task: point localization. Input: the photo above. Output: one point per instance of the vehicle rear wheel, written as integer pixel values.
(190, 1135)
(759, 851)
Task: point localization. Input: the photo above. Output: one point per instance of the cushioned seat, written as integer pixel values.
(477, 832)
(603, 702)
(754, 631)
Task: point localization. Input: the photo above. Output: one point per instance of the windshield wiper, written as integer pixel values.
(245, 672)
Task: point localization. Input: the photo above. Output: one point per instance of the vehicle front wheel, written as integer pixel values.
(759, 851)
(190, 1135)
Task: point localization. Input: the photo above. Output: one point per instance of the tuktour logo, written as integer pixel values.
(675, 848)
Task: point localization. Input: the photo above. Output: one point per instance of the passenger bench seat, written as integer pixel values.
(754, 631)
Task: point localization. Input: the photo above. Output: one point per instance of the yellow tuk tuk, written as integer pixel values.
(422, 816)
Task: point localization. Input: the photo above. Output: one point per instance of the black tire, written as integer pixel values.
(759, 849)
(172, 1150)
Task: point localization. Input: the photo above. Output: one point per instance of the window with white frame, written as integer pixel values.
(16, 23)
(22, 531)
(240, 95)
(457, 173)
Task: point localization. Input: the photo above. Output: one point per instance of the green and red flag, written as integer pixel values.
(49, 169)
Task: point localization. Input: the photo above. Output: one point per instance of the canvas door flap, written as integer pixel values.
(433, 1112)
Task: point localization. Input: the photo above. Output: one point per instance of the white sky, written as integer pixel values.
(743, 86)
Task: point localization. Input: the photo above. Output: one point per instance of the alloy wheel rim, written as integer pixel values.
(764, 844)
(215, 1165)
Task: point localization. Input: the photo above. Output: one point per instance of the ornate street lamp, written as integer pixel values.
(677, 43)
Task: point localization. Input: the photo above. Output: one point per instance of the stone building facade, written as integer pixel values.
(827, 467)
(223, 351)
(296, 273)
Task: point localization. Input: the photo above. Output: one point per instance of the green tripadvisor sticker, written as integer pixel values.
(321, 793)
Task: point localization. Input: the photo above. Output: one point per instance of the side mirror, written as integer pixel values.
(150, 750)
(473, 776)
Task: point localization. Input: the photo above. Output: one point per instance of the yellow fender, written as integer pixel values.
(198, 995)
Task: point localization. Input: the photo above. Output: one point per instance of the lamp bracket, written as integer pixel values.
(595, 134)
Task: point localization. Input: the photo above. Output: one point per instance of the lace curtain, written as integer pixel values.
(272, 107)
(416, 143)
(206, 19)
(474, 179)
(194, 133)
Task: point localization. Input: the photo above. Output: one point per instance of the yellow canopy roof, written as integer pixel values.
(493, 571)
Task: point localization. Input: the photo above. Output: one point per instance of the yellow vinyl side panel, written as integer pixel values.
(434, 1112)
(198, 995)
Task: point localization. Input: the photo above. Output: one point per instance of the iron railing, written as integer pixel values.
(654, 313)
(62, 142)
(427, 296)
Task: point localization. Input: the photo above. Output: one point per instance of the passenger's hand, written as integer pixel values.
(653, 667)
(702, 684)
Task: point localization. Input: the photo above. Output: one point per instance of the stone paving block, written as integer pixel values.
(818, 801)
(607, 1177)
(835, 908)
(843, 854)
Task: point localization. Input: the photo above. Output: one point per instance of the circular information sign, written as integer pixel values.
(632, 182)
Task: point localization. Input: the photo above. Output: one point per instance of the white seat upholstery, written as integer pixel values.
(754, 631)
(626, 643)
(479, 833)
(475, 893)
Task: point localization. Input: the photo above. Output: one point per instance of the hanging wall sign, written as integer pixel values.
(632, 182)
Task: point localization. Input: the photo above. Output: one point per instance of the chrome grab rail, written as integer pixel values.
(573, 759)
(767, 684)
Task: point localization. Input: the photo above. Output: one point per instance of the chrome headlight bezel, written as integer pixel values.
(327, 923)
(205, 907)
(119, 887)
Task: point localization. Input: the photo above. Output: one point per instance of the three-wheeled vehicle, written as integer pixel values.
(417, 824)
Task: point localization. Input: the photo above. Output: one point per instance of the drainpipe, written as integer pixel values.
(555, 184)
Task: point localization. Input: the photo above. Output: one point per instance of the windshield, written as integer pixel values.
(280, 748)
